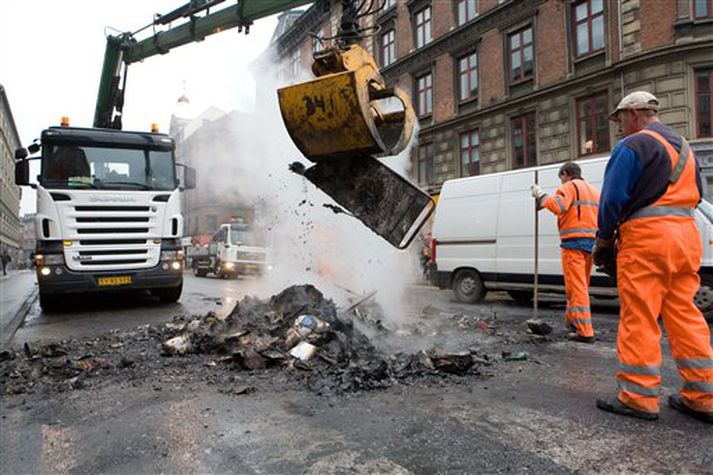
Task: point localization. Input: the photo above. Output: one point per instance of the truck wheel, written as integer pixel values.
(49, 303)
(704, 301)
(468, 286)
(521, 296)
(168, 294)
(199, 272)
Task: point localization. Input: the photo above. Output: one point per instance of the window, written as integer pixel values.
(588, 27)
(424, 95)
(211, 221)
(295, 63)
(469, 154)
(523, 141)
(389, 4)
(388, 48)
(468, 76)
(317, 42)
(704, 94)
(593, 124)
(423, 27)
(425, 164)
(522, 61)
(702, 8)
(467, 10)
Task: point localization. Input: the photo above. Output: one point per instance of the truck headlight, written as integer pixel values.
(49, 259)
(172, 255)
(228, 265)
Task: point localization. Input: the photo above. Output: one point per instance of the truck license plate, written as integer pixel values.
(109, 281)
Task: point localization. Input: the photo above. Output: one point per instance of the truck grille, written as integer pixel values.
(110, 238)
(250, 256)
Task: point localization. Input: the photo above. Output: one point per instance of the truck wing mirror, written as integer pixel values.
(190, 178)
(188, 181)
(21, 153)
(22, 172)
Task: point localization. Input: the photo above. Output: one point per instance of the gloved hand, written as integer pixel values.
(537, 192)
(604, 254)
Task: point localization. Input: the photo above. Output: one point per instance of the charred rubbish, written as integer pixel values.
(296, 336)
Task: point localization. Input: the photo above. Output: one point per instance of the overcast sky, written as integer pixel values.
(51, 55)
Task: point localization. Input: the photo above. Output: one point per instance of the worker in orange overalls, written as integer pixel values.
(651, 186)
(575, 204)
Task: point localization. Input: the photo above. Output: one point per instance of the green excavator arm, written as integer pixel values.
(198, 23)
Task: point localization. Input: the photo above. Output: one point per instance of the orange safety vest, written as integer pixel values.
(681, 196)
(576, 204)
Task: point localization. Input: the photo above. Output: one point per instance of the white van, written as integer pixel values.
(484, 237)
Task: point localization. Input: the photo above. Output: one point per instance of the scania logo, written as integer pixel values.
(82, 258)
(112, 198)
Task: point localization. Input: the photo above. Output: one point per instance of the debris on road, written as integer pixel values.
(298, 333)
(538, 327)
(519, 356)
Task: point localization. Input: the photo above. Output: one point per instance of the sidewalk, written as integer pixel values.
(15, 289)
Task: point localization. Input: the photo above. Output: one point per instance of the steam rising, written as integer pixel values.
(311, 243)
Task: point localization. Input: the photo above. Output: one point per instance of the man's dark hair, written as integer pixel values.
(571, 169)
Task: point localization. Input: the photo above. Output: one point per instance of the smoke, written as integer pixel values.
(311, 243)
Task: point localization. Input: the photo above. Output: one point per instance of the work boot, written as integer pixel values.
(613, 404)
(580, 338)
(676, 401)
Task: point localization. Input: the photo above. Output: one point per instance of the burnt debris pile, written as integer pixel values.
(297, 334)
(298, 329)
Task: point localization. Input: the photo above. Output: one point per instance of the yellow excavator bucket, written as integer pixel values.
(338, 121)
(340, 112)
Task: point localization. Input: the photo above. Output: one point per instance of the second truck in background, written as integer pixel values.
(235, 249)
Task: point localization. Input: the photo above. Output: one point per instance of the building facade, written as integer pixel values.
(505, 84)
(10, 194)
(28, 242)
(207, 143)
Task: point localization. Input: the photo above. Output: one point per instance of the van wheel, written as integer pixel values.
(704, 301)
(521, 296)
(468, 286)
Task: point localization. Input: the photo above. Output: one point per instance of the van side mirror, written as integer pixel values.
(22, 172)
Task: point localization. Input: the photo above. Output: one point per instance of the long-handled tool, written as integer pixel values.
(535, 294)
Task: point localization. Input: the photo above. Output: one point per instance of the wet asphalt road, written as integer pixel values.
(531, 416)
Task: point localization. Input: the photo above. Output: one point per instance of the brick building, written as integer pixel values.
(503, 84)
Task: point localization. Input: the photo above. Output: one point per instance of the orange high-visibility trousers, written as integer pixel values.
(658, 261)
(577, 269)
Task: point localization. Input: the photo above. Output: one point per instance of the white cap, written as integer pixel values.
(637, 100)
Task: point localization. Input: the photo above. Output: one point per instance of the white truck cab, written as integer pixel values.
(108, 213)
(235, 249)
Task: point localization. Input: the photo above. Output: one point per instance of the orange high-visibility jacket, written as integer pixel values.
(681, 196)
(576, 204)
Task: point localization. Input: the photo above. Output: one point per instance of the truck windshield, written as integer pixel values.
(70, 166)
(246, 238)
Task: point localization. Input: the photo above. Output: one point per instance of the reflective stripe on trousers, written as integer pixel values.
(660, 280)
(577, 269)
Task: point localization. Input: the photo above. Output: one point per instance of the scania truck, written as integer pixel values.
(108, 212)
